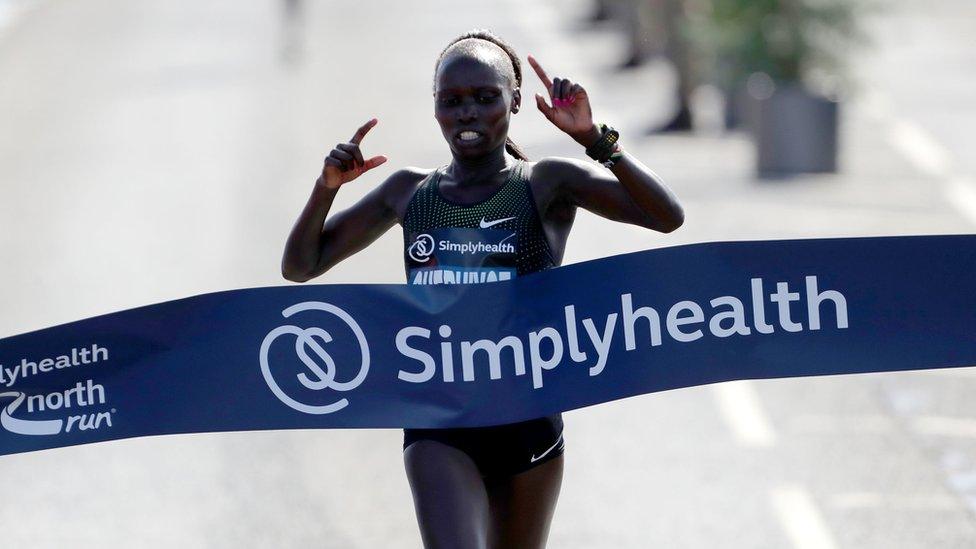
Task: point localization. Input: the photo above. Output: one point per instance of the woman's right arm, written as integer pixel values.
(315, 244)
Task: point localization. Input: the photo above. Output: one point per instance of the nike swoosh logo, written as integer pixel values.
(551, 448)
(485, 224)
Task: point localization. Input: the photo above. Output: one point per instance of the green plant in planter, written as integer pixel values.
(790, 55)
(788, 40)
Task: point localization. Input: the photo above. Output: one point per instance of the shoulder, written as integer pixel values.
(558, 170)
(403, 182)
(549, 179)
(560, 178)
(400, 186)
(405, 178)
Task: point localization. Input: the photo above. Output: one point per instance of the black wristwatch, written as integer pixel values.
(605, 150)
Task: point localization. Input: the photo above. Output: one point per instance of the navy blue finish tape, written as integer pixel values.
(351, 356)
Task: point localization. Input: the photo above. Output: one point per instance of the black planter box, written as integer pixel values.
(795, 132)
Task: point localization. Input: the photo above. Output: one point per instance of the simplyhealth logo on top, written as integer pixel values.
(433, 354)
(462, 255)
(81, 407)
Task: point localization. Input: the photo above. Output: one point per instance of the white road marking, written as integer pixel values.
(925, 153)
(963, 483)
(800, 518)
(870, 500)
(919, 147)
(961, 192)
(742, 410)
(831, 424)
(960, 471)
(945, 426)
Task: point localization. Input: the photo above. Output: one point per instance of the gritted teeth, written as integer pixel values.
(468, 135)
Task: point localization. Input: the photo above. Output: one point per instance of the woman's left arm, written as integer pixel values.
(630, 193)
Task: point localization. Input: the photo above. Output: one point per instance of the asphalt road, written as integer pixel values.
(151, 150)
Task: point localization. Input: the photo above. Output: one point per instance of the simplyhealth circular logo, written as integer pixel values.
(312, 341)
(422, 248)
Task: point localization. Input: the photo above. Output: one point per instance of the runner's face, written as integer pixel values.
(472, 95)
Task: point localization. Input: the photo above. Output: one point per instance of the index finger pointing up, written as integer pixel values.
(361, 132)
(541, 73)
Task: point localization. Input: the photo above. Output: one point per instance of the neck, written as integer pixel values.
(476, 170)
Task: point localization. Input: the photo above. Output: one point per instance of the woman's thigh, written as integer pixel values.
(522, 506)
(449, 495)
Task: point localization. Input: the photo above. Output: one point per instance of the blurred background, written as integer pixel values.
(156, 149)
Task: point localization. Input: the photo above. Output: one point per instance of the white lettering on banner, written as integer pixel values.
(494, 352)
(737, 314)
(430, 367)
(674, 321)
(759, 308)
(680, 319)
(82, 395)
(57, 400)
(535, 358)
(447, 359)
(535, 353)
(601, 344)
(783, 297)
(77, 357)
(815, 298)
(574, 350)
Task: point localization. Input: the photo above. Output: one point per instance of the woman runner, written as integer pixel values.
(490, 486)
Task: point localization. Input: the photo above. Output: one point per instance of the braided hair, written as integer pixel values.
(487, 35)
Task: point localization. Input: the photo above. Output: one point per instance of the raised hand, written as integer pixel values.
(345, 162)
(570, 110)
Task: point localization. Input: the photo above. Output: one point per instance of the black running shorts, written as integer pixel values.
(501, 450)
